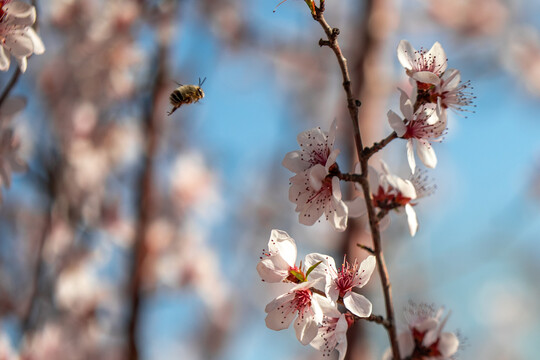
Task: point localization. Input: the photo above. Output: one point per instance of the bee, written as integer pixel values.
(186, 94)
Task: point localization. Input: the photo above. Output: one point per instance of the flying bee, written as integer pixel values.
(186, 94)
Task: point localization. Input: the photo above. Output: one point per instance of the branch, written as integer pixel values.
(10, 86)
(368, 152)
(332, 34)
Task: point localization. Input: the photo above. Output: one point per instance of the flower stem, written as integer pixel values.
(331, 42)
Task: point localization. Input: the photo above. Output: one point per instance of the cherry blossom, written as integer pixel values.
(300, 299)
(279, 259)
(312, 189)
(419, 128)
(17, 36)
(332, 332)
(451, 93)
(424, 339)
(426, 67)
(339, 284)
(392, 193)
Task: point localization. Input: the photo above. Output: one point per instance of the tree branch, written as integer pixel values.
(332, 34)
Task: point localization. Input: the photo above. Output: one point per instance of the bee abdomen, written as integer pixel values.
(176, 97)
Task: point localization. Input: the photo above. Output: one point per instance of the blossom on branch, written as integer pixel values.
(419, 128)
(339, 283)
(314, 189)
(424, 339)
(17, 36)
(299, 300)
(426, 67)
(279, 262)
(332, 332)
(390, 193)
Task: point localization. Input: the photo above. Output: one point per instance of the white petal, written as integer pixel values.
(273, 269)
(396, 123)
(279, 301)
(306, 329)
(339, 213)
(19, 45)
(23, 63)
(4, 60)
(293, 162)
(411, 219)
(366, 269)
(448, 344)
(331, 159)
(357, 304)
(406, 105)
(280, 242)
(39, 48)
(278, 319)
(451, 78)
(321, 271)
(328, 307)
(357, 207)
(20, 13)
(437, 53)
(406, 188)
(426, 153)
(426, 77)
(405, 54)
(341, 336)
(316, 176)
(410, 155)
(332, 134)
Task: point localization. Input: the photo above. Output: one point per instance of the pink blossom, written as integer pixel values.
(419, 128)
(426, 67)
(279, 260)
(339, 284)
(314, 191)
(299, 300)
(332, 332)
(16, 34)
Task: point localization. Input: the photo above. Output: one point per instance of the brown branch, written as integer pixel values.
(332, 42)
(10, 86)
(368, 152)
(152, 129)
(366, 248)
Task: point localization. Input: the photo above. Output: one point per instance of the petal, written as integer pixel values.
(406, 105)
(279, 301)
(451, 79)
(338, 213)
(20, 13)
(39, 47)
(357, 207)
(328, 307)
(321, 271)
(4, 60)
(306, 328)
(278, 319)
(293, 162)
(316, 176)
(366, 269)
(426, 77)
(410, 155)
(332, 134)
(331, 159)
(357, 304)
(280, 242)
(448, 344)
(273, 269)
(439, 57)
(396, 123)
(426, 153)
(411, 219)
(19, 44)
(406, 54)
(23, 63)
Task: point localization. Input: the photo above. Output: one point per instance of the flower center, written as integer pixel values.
(420, 351)
(389, 200)
(302, 299)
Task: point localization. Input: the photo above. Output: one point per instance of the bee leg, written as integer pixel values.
(172, 110)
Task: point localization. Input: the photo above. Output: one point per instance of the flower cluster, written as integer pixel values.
(423, 339)
(324, 298)
(17, 36)
(319, 289)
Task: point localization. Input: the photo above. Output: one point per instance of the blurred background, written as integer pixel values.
(135, 235)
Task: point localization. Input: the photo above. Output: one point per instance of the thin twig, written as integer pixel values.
(366, 248)
(368, 152)
(10, 86)
(332, 34)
